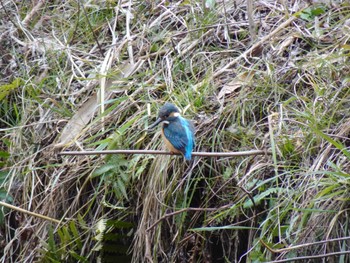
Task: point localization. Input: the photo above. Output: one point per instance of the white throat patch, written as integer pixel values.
(176, 114)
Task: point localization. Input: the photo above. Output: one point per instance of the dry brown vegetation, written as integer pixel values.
(91, 75)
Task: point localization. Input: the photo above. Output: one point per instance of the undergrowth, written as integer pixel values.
(91, 75)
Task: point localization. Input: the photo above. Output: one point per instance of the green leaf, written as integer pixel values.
(258, 198)
(3, 176)
(78, 257)
(5, 197)
(311, 12)
(337, 144)
(76, 234)
(122, 188)
(81, 221)
(318, 11)
(51, 241)
(103, 169)
(127, 125)
(7, 88)
(4, 154)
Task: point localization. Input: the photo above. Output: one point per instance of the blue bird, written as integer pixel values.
(177, 132)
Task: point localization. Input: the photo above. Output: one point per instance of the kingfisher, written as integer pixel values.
(177, 132)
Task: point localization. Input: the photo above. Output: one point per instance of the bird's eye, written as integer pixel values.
(166, 115)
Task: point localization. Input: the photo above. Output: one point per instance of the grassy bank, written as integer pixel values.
(92, 75)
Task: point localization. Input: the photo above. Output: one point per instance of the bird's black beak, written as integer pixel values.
(159, 120)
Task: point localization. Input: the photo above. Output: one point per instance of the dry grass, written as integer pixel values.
(251, 74)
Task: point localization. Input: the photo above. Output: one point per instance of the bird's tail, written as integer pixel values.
(188, 156)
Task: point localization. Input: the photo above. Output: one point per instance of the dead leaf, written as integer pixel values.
(285, 44)
(236, 83)
(74, 126)
(83, 116)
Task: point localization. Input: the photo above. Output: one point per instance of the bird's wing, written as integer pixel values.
(189, 130)
(176, 134)
(192, 129)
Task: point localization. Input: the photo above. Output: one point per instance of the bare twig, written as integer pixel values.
(155, 152)
(311, 257)
(185, 210)
(303, 245)
(29, 212)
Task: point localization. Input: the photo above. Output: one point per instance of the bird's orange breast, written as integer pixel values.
(169, 145)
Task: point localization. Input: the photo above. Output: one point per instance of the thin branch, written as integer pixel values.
(332, 254)
(185, 210)
(155, 152)
(302, 245)
(29, 212)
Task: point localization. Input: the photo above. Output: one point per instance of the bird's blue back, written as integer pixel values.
(180, 133)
